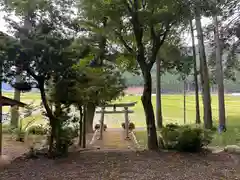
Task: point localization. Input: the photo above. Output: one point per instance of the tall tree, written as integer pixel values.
(169, 57)
(221, 101)
(131, 22)
(1, 117)
(184, 70)
(222, 35)
(159, 117)
(198, 120)
(44, 52)
(204, 72)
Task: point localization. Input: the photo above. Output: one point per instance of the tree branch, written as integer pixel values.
(45, 104)
(127, 2)
(31, 73)
(157, 43)
(124, 42)
(164, 36)
(135, 4)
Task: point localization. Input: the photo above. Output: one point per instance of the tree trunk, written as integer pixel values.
(80, 137)
(184, 101)
(149, 113)
(1, 121)
(15, 109)
(198, 120)
(221, 102)
(158, 96)
(57, 128)
(49, 114)
(51, 141)
(84, 126)
(90, 117)
(204, 74)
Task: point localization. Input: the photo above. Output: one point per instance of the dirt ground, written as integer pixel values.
(114, 165)
(115, 160)
(12, 148)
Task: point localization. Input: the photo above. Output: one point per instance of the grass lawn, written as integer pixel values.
(172, 106)
(26, 98)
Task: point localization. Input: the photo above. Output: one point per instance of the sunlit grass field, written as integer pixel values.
(172, 107)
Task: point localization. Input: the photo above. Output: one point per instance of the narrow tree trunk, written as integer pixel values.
(57, 128)
(184, 101)
(221, 102)
(15, 109)
(158, 96)
(90, 117)
(149, 113)
(204, 74)
(198, 120)
(84, 126)
(49, 114)
(51, 141)
(1, 137)
(80, 137)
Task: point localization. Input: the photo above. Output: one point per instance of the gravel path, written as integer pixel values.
(113, 139)
(100, 165)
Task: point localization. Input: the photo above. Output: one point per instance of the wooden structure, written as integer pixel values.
(126, 112)
(5, 101)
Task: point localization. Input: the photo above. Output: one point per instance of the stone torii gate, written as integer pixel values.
(126, 111)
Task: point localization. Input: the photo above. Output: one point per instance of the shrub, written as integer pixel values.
(7, 129)
(104, 127)
(172, 126)
(123, 125)
(37, 130)
(131, 126)
(214, 129)
(20, 135)
(185, 138)
(66, 139)
(169, 136)
(97, 127)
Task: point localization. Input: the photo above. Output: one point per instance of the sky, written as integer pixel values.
(2, 23)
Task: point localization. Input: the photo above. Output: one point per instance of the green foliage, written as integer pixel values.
(20, 135)
(228, 22)
(185, 138)
(65, 139)
(153, 16)
(131, 126)
(37, 130)
(7, 129)
(185, 64)
(192, 139)
(89, 85)
(43, 48)
(97, 127)
(169, 134)
(22, 130)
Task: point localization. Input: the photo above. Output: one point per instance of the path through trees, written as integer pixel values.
(114, 139)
